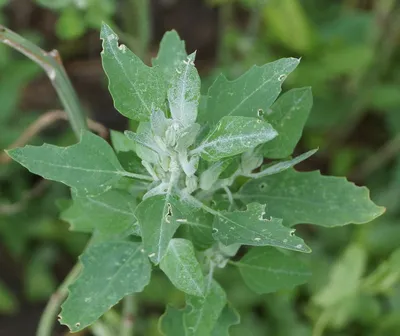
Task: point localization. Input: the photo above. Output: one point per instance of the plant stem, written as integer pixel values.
(52, 65)
(138, 176)
(49, 315)
(128, 315)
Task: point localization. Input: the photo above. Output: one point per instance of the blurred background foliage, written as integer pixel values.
(351, 58)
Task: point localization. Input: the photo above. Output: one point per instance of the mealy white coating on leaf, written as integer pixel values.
(234, 135)
(184, 92)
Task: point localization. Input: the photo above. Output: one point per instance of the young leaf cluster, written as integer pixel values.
(188, 188)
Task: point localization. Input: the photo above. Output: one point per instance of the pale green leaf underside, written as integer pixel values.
(250, 227)
(158, 220)
(135, 87)
(229, 317)
(267, 270)
(205, 311)
(108, 213)
(182, 268)
(172, 52)
(111, 271)
(256, 89)
(90, 166)
(311, 198)
(234, 135)
(288, 116)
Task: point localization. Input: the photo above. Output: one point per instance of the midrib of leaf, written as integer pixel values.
(126, 74)
(272, 270)
(107, 206)
(183, 88)
(283, 198)
(185, 269)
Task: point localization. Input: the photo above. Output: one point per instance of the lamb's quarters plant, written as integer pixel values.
(187, 190)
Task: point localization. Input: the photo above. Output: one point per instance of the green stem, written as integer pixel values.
(49, 315)
(52, 65)
(138, 176)
(128, 315)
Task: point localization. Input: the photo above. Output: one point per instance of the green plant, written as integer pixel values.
(188, 192)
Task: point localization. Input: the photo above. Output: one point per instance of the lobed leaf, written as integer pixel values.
(171, 322)
(249, 227)
(158, 220)
(234, 135)
(182, 268)
(288, 116)
(256, 89)
(90, 166)
(205, 311)
(267, 270)
(134, 86)
(312, 198)
(108, 213)
(111, 271)
(228, 318)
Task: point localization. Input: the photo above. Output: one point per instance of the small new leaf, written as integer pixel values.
(182, 268)
(256, 90)
(312, 198)
(111, 271)
(134, 86)
(90, 166)
(267, 270)
(184, 92)
(234, 135)
(288, 116)
(249, 227)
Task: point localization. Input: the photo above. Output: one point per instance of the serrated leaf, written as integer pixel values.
(134, 86)
(267, 270)
(90, 166)
(109, 213)
(184, 92)
(171, 322)
(158, 220)
(228, 318)
(249, 227)
(182, 268)
(312, 198)
(234, 135)
(172, 52)
(205, 311)
(111, 271)
(256, 89)
(288, 116)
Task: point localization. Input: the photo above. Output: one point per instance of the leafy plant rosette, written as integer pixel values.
(188, 188)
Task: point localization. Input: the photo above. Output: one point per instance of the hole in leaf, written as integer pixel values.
(77, 324)
(262, 186)
(282, 77)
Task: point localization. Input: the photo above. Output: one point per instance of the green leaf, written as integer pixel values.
(249, 227)
(171, 54)
(288, 116)
(234, 135)
(171, 322)
(267, 270)
(71, 24)
(228, 318)
(205, 311)
(256, 89)
(8, 303)
(199, 228)
(90, 166)
(111, 271)
(184, 92)
(110, 213)
(345, 277)
(182, 268)
(121, 143)
(135, 87)
(312, 198)
(158, 220)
